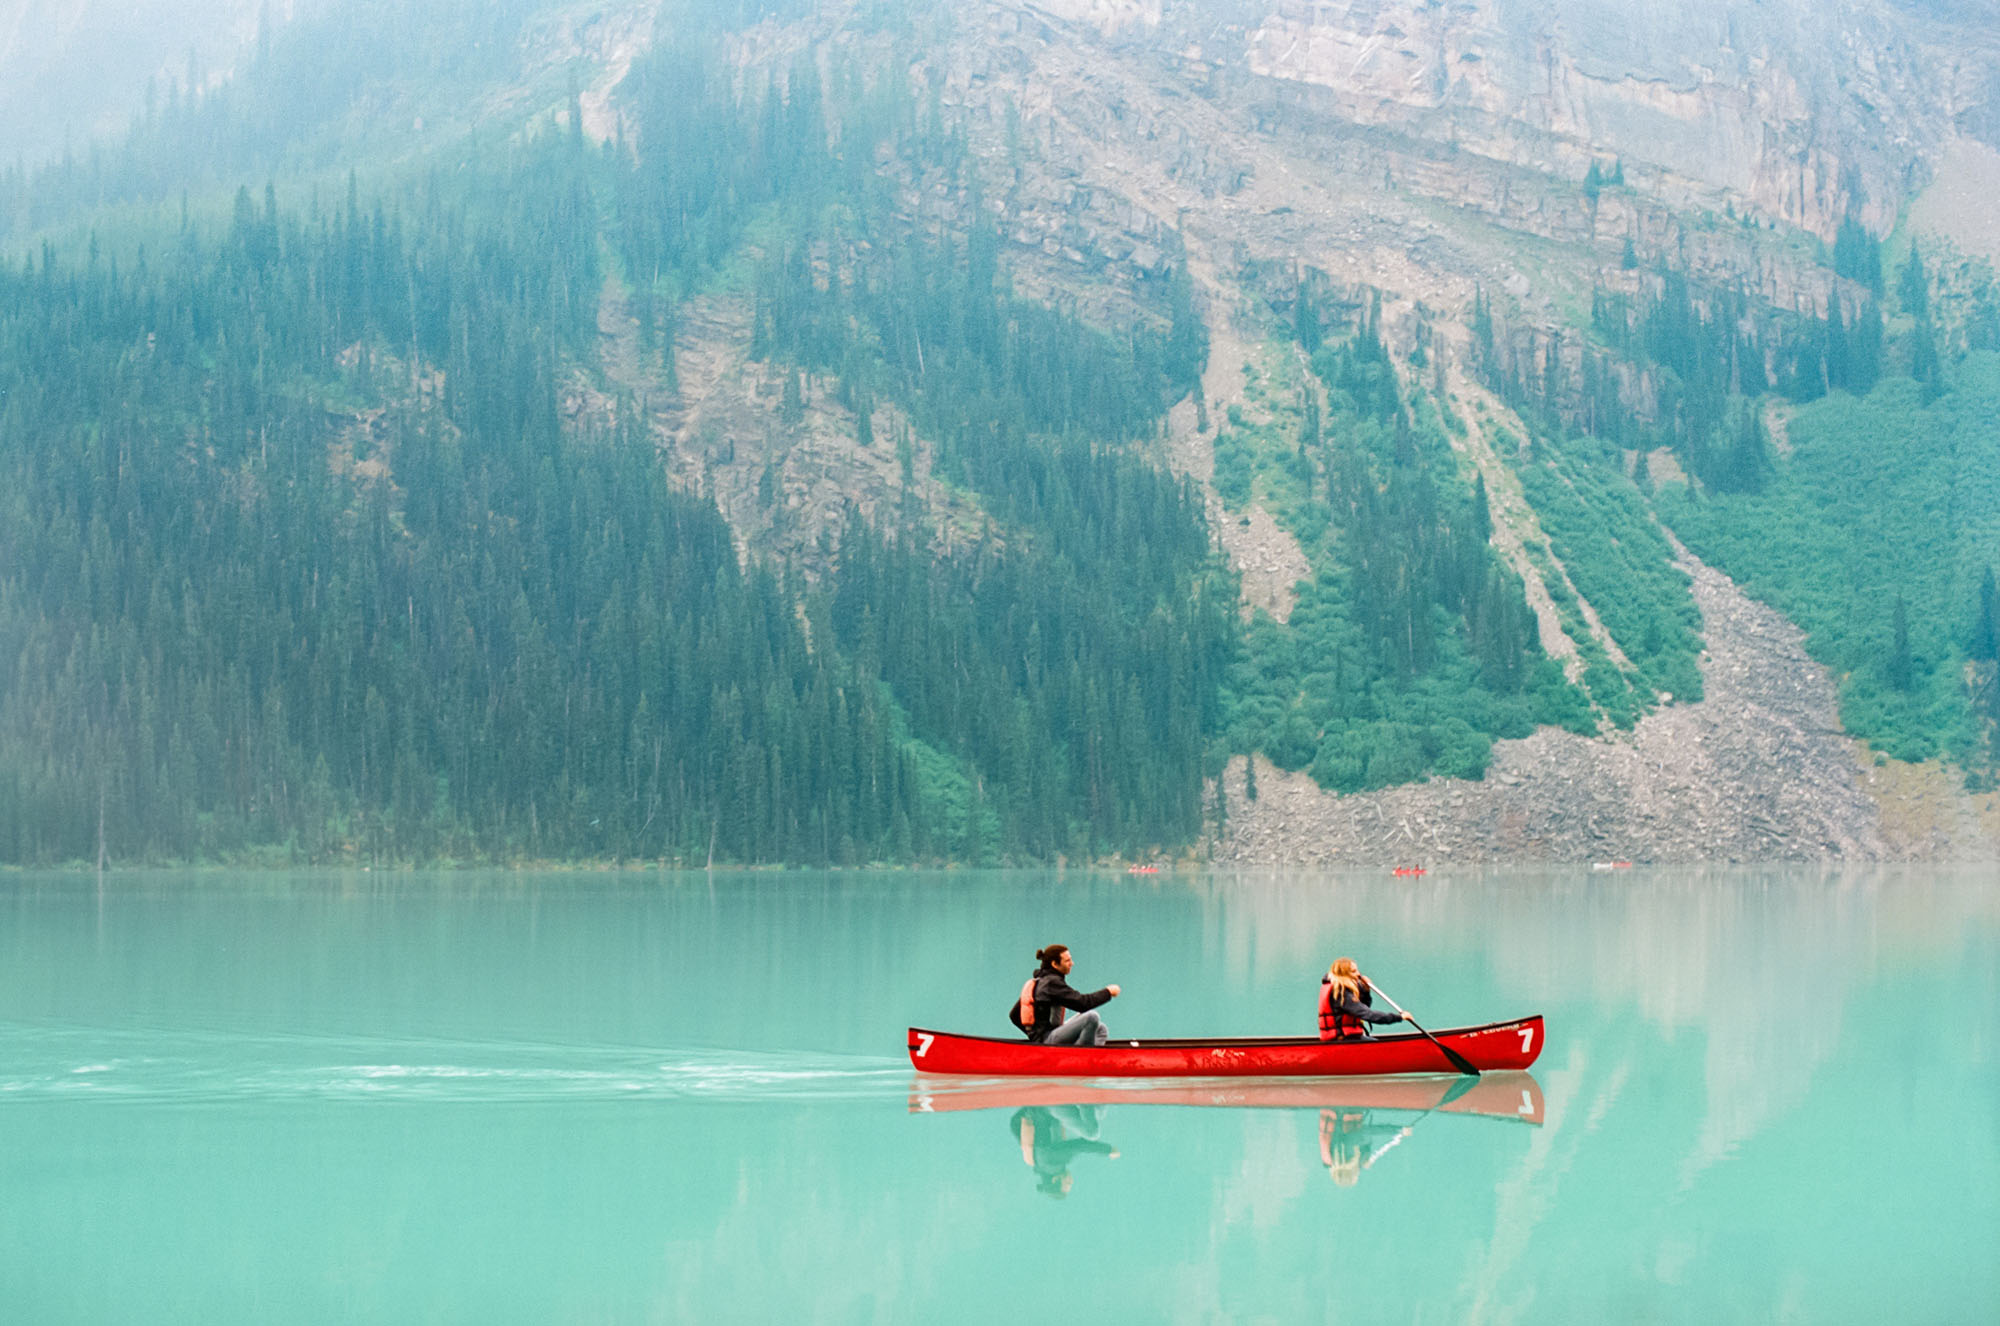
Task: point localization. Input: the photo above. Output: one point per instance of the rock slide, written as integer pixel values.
(1691, 782)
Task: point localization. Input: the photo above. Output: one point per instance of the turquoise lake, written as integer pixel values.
(1767, 1095)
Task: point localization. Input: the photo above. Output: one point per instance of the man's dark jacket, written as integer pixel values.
(1052, 995)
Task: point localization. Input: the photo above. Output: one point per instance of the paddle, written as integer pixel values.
(1458, 1088)
(1458, 1061)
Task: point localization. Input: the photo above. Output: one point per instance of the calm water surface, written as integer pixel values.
(1767, 1096)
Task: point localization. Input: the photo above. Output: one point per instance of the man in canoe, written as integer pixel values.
(1346, 1004)
(1042, 1012)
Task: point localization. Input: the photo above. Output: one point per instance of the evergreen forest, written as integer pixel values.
(302, 558)
(1874, 524)
(329, 534)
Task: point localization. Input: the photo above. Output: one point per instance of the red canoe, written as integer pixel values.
(1495, 1095)
(1498, 1046)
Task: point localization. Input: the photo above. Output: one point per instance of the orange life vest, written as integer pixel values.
(1335, 1025)
(1028, 1005)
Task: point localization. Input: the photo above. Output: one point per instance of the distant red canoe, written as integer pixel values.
(1497, 1047)
(1497, 1095)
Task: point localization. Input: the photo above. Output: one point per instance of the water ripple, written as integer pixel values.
(47, 1064)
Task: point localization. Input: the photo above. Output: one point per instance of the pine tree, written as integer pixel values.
(792, 405)
(1924, 364)
(1913, 286)
(1857, 255)
(1901, 667)
(1305, 319)
(864, 418)
(1187, 335)
(1839, 371)
(1865, 350)
(1985, 643)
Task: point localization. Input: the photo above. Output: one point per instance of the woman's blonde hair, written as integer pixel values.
(1345, 978)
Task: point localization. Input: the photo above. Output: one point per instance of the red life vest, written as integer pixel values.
(1335, 1025)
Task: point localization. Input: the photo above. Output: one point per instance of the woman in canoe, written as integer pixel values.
(1346, 1004)
(1047, 1000)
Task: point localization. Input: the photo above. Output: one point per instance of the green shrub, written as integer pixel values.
(1884, 497)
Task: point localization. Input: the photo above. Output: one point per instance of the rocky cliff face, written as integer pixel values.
(1412, 145)
(1112, 18)
(1801, 111)
(1797, 110)
(1425, 151)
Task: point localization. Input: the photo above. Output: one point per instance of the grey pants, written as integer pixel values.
(1083, 1029)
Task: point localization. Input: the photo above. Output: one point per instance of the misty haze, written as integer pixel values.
(586, 587)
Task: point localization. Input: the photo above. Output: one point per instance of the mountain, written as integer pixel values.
(1334, 432)
(74, 71)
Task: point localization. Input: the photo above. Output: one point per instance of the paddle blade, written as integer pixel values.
(1458, 1061)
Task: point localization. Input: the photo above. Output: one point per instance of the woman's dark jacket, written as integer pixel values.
(1052, 992)
(1362, 1007)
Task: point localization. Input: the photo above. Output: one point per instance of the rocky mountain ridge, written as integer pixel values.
(1462, 304)
(1428, 155)
(1803, 112)
(75, 70)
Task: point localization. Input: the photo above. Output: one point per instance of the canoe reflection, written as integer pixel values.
(1514, 1096)
(1361, 1119)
